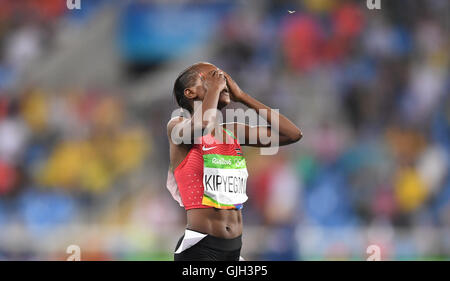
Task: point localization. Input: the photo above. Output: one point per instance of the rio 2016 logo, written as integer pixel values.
(73, 4)
(239, 163)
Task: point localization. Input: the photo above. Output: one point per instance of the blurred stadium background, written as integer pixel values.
(85, 96)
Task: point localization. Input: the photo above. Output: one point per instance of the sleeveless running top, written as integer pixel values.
(213, 175)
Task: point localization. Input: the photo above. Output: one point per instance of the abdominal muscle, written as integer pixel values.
(216, 222)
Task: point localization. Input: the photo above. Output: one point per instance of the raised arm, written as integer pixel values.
(204, 116)
(288, 133)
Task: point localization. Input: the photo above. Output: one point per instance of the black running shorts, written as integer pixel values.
(210, 248)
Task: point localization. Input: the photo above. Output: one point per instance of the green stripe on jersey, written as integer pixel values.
(229, 133)
(224, 161)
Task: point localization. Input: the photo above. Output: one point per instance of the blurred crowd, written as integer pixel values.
(368, 88)
(60, 151)
(376, 144)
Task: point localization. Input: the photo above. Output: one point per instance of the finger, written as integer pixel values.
(227, 78)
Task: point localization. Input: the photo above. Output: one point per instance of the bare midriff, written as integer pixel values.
(216, 222)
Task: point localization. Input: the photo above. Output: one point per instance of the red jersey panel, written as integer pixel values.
(189, 174)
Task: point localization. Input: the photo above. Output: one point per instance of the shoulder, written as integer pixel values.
(175, 129)
(174, 121)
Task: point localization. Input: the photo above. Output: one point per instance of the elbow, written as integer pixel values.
(209, 123)
(292, 137)
(204, 126)
(297, 136)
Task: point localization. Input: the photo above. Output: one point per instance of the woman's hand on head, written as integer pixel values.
(214, 80)
(235, 92)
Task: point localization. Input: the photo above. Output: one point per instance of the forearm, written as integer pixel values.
(285, 126)
(205, 113)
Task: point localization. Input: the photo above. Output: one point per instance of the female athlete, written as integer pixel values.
(208, 174)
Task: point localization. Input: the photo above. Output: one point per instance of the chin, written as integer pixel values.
(224, 101)
(222, 105)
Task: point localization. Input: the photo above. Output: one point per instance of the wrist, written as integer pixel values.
(213, 89)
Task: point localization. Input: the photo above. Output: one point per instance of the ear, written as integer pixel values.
(188, 93)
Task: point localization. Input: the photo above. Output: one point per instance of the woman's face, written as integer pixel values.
(200, 89)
